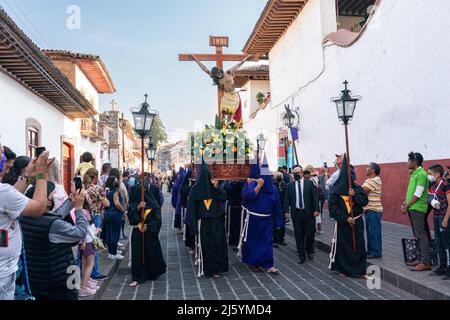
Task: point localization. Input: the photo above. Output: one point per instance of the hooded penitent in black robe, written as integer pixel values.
(153, 264)
(343, 257)
(207, 221)
(235, 218)
(185, 188)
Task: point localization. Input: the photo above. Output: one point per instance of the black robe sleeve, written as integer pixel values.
(155, 193)
(220, 194)
(360, 200)
(193, 222)
(184, 193)
(338, 210)
(134, 217)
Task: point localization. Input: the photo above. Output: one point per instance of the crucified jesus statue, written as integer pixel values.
(220, 78)
(230, 102)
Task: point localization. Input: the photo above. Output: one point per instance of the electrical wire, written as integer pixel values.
(44, 73)
(32, 24)
(41, 70)
(25, 26)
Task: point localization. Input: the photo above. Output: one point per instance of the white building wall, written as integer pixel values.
(264, 122)
(399, 66)
(246, 101)
(16, 105)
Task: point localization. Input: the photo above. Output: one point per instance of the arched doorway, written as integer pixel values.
(67, 159)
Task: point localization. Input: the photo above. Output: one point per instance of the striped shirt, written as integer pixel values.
(375, 186)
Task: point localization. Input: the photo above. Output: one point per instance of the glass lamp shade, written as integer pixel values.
(143, 120)
(261, 142)
(350, 106)
(345, 108)
(151, 154)
(340, 108)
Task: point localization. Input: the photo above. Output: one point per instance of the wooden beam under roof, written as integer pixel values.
(275, 19)
(23, 61)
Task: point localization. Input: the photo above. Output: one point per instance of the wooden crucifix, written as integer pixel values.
(223, 79)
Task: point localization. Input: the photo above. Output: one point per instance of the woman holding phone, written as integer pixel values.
(113, 218)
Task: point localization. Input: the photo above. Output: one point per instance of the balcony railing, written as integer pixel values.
(92, 129)
(102, 133)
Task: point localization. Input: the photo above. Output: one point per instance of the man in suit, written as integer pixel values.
(302, 201)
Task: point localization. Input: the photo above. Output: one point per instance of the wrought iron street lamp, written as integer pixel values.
(143, 119)
(345, 107)
(143, 123)
(151, 150)
(289, 121)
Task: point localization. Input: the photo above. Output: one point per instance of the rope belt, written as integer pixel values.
(183, 215)
(334, 243)
(244, 230)
(196, 251)
(200, 254)
(129, 244)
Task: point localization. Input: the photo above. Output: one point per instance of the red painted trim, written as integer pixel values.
(395, 178)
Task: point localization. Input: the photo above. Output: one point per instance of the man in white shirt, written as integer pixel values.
(13, 204)
(333, 178)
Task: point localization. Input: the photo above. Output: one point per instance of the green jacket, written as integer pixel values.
(419, 178)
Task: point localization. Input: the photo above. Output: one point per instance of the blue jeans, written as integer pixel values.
(373, 229)
(122, 228)
(113, 222)
(437, 222)
(98, 222)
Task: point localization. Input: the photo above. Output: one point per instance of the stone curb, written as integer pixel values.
(391, 276)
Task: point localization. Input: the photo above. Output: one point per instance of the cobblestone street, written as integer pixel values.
(311, 281)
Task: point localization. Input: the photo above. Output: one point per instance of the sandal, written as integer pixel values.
(273, 270)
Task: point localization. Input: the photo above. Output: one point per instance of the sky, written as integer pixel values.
(139, 41)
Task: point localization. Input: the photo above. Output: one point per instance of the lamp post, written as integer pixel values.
(285, 145)
(289, 118)
(261, 145)
(151, 150)
(345, 107)
(143, 123)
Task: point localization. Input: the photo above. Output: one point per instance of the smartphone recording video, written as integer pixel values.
(78, 183)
